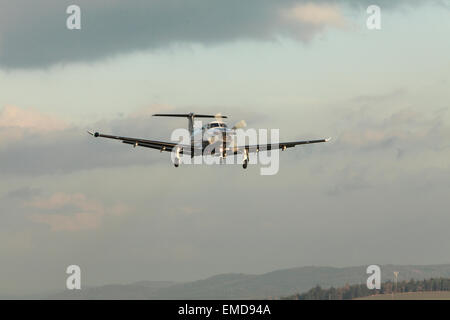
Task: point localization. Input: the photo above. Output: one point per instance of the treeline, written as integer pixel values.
(361, 290)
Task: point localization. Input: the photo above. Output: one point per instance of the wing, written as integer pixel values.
(281, 145)
(153, 144)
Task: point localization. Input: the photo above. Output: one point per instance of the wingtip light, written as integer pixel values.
(92, 133)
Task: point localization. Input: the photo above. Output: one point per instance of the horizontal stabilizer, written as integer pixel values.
(188, 115)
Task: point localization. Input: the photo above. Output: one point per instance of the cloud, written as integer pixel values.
(84, 213)
(23, 193)
(304, 20)
(16, 123)
(59, 200)
(79, 221)
(316, 14)
(39, 38)
(14, 117)
(41, 144)
(405, 128)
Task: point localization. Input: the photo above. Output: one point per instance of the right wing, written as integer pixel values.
(281, 145)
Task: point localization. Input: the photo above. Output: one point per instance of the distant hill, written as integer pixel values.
(137, 290)
(246, 286)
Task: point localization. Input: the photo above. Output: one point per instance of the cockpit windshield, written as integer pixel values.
(216, 125)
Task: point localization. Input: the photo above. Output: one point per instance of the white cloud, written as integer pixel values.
(318, 15)
(15, 117)
(16, 123)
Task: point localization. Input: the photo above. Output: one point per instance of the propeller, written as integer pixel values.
(219, 117)
(241, 124)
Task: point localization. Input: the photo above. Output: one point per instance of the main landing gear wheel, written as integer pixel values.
(244, 165)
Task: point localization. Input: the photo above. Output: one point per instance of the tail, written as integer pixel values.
(190, 116)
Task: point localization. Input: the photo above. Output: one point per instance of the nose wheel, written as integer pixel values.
(245, 164)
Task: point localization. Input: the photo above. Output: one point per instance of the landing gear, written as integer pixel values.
(176, 161)
(246, 158)
(223, 152)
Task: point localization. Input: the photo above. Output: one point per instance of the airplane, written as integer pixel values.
(215, 132)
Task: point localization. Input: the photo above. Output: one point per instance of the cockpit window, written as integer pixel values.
(215, 125)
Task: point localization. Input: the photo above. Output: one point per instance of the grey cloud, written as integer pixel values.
(23, 193)
(370, 100)
(377, 143)
(368, 125)
(73, 150)
(36, 36)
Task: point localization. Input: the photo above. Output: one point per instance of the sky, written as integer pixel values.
(376, 194)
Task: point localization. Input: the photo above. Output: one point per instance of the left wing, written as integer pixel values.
(154, 144)
(273, 146)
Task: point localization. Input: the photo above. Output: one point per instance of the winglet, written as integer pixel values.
(327, 139)
(95, 134)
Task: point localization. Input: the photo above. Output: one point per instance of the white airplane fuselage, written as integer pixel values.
(212, 132)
